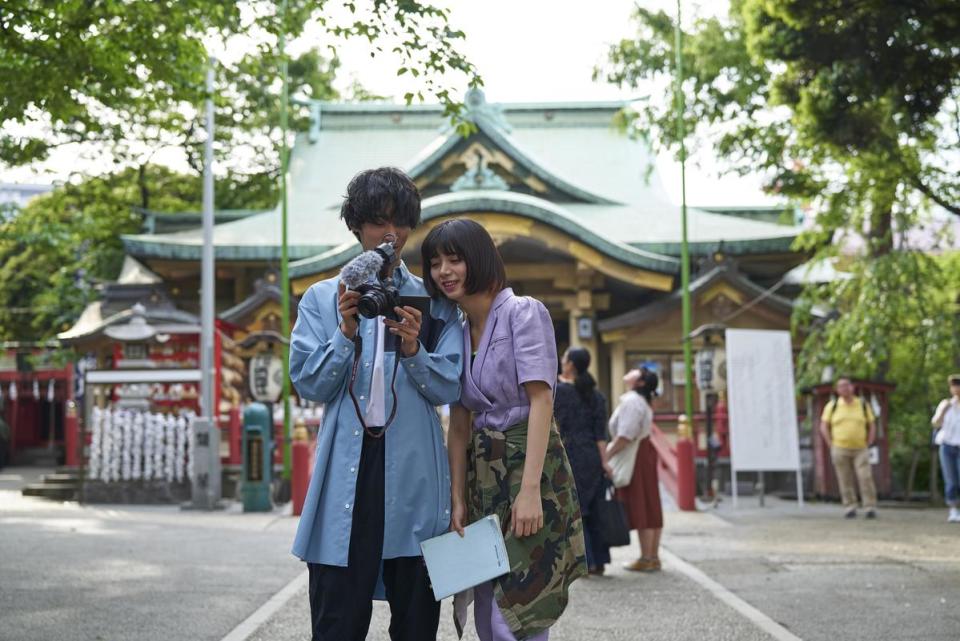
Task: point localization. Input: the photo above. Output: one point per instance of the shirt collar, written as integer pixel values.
(505, 294)
(400, 275)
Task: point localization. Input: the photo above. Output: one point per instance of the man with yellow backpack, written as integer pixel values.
(850, 428)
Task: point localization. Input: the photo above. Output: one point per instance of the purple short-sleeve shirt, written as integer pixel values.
(517, 346)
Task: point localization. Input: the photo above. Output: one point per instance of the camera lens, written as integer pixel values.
(373, 303)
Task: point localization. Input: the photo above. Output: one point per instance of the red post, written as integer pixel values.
(301, 467)
(721, 426)
(14, 420)
(686, 469)
(235, 434)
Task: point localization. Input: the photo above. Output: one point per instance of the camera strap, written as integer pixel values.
(357, 357)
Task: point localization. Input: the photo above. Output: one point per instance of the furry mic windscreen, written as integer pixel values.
(361, 269)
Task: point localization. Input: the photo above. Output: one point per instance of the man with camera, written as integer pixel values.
(381, 356)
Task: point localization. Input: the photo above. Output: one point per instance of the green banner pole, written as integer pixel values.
(284, 273)
(684, 245)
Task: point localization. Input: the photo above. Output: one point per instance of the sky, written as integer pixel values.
(525, 50)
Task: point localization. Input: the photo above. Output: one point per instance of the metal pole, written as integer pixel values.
(284, 274)
(684, 246)
(207, 267)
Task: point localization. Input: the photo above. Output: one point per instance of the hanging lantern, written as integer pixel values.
(50, 391)
(36, 389)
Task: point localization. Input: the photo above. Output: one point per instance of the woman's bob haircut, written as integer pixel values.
(468, 240)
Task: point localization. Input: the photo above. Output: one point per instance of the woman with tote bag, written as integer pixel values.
(634, 461)
(581, 414)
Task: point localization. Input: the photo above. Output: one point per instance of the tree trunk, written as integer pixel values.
(934, 478)
(881, 244)
(142, 184)
(912, 474)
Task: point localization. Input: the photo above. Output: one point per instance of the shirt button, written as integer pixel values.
(353, 469)
(367, 364)
(357, 433)
(361, 398)
(347, 506)
(447, 511)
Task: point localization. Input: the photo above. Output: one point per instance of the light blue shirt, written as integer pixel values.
(416, 471)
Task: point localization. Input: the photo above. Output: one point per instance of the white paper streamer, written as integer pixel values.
(126, 452)
(136, 451)
(106, 447)
(96, 434)
(170, 445)
(131, 445)
(181, 451)
(158, 445)
(191, 436)
(149, 426)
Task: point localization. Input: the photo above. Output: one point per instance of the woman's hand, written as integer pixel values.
(407, 328)
(527, 512)
(458, 516)
(607, 470)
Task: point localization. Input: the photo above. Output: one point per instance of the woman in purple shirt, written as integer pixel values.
(506, 457)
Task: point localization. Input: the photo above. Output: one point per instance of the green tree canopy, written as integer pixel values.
(128, 76)
(54, 251)
(852, 109)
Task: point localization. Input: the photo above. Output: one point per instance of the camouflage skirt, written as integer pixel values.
(533, 595)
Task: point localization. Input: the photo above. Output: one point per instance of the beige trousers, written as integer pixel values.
(849, 463)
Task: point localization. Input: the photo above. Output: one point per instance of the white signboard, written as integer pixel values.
(762, 402)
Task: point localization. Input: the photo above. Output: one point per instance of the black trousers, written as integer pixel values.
(341, 599)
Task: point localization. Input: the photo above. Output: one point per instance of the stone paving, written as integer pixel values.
(117, 573)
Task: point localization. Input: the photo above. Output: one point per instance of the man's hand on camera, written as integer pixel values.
(348, 311)
(407, 328)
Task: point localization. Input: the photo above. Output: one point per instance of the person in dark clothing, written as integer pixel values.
(581, 415)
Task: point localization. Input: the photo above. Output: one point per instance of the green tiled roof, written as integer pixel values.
(598, 183)
(504, 202)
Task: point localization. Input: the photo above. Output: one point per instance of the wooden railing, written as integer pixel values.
(676, 467)
(667, 460)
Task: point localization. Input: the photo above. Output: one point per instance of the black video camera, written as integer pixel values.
(380, 297)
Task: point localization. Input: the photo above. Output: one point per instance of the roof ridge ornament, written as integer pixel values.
(478, 109)
(313, 135)
(480, 176)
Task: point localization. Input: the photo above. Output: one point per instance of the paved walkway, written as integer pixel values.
(103, 573)
(618, 606)
(777, 573)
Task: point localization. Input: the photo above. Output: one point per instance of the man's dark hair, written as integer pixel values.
(380, 195)
(470, 241)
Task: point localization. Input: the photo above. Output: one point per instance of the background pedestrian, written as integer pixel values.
(947, 420)
(633, 419)
(581, 415)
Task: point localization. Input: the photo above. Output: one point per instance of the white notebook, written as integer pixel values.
(456, 564)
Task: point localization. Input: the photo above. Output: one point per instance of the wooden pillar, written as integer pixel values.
(618, 369)
(585, 306)
(241, 285)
